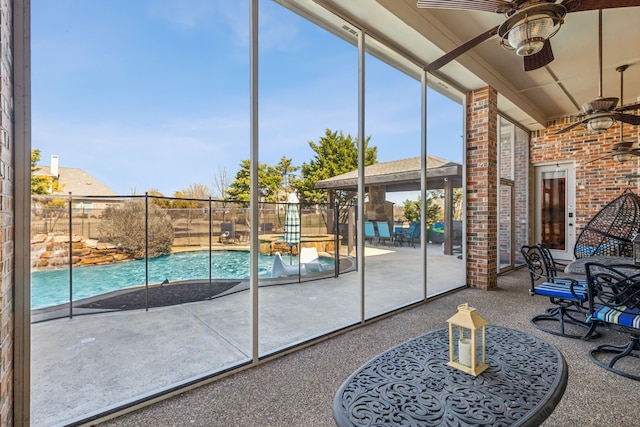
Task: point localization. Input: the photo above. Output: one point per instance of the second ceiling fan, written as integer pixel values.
(622, 150)
(528, 26)
(601, 113)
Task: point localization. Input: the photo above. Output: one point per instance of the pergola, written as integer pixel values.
(405, 175)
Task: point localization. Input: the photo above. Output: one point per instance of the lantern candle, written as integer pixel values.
(467, 341)
(464, 352)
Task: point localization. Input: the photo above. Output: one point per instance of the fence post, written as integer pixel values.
(336, 237)
(70, 256)
(146, 250)
(210, 242)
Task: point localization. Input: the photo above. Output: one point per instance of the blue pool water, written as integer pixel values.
(51, 287)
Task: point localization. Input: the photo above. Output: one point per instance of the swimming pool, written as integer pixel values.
(51, 287)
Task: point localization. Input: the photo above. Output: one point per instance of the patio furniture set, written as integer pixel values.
(606, 297)
(376, 232)
(412, 384)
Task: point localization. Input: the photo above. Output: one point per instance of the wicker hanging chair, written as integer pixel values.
(610, 231)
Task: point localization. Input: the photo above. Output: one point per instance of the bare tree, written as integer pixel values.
(196, 191)
(220, 183)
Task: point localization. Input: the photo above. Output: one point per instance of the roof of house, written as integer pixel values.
(399, 175)
(77, 182)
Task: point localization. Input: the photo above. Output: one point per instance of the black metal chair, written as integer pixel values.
(567, 295)
(614, 300)
(553, 266)
(610, 231)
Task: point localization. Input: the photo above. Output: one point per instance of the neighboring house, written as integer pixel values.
(79, 183)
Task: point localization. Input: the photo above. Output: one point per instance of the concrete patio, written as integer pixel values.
(298, 389)
(90, 362)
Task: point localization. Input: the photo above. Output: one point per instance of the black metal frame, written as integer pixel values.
(614, 286)
(610, 231)
(566, 311)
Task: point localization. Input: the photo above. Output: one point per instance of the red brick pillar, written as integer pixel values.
(482, 188)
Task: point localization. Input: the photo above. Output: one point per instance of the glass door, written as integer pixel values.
(505, 226)
(555, 208)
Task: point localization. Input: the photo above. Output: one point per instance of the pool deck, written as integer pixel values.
(88, 363)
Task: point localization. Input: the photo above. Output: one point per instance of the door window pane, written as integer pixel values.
(553, 214)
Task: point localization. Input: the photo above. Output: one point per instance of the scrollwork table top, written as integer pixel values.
(411, 384)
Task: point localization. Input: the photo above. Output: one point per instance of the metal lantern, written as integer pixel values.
(467, 341)
(636, 248)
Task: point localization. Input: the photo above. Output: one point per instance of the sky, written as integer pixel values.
(147, 95)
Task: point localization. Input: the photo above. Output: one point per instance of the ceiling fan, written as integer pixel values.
(622, 151)
(601, 113)
(528, 26)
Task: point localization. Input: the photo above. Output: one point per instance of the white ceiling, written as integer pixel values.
(532, 98)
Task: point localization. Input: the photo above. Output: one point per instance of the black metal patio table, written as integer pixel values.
(412, 385)
(578, 266)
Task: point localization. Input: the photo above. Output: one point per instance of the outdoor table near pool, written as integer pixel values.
(411, 384)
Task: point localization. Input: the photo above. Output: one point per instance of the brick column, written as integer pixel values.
(6, 217)
(482, 188)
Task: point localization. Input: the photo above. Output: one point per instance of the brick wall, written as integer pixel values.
(598, 182)
(482, 191)
(6, 216)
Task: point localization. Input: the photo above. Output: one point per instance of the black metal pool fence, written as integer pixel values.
(70, 231)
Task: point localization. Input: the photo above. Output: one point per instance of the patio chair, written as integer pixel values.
(383, 232)
(411, 235)
(610, 231)
(279, 268)
(370, 232)
(227, 234)
(567, 295)
(309, 258)
(266, 228)
(614, 300)
(553, 266)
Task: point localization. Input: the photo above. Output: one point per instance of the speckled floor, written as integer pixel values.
(298, 389)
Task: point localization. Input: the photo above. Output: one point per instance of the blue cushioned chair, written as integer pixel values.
(383, 232)
(370, 232)
(614, 300)
(568, 295)
(411, 235)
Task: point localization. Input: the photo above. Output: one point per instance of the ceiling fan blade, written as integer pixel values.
(568, 128)
(540, 59)
(450, 56)
(601, 157)
(484, 5)
(604, 4)
(627, 118)
(629, 107)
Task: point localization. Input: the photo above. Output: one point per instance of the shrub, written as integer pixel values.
(124, 226)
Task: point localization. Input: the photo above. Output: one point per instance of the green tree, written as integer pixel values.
(412, 211)
(335, 154)
(124, 226)
(457, 201)
(286, 171)
(39, 183)
(269, 180)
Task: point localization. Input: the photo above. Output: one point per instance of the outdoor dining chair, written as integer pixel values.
(411, 235)
(568, 315)
(614, 301)
(383, 232)
(370, 232)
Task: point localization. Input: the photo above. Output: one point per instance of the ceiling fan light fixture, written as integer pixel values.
(623, 157)
(527, 30)
(528, 36)
(600, 124)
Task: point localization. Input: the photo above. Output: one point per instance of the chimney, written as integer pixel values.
(54, 165)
